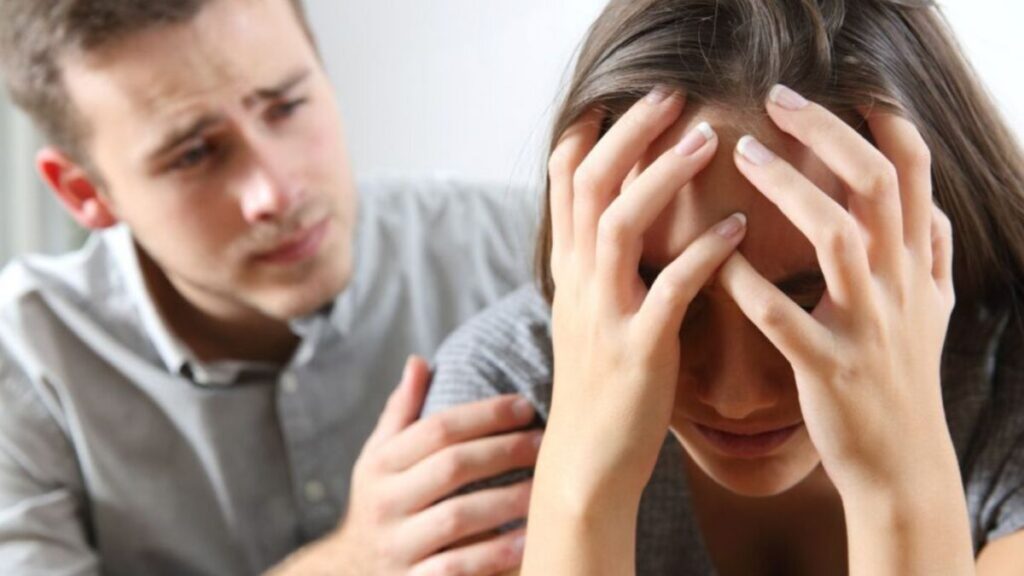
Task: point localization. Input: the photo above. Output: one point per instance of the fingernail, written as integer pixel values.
(658, 95)
(732, 226)
(695, 139)
(786, 97)
(523, 409)
(407, 371)
(754, 151)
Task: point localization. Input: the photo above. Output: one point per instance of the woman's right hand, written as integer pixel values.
(616, 343)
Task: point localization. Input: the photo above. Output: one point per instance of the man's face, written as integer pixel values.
(219, 143)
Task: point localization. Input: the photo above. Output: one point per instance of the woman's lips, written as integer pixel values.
(757, 445)
(303, 245)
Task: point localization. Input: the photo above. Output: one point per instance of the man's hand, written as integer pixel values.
(398, 520)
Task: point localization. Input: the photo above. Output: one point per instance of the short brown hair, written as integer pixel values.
(895, 54)
(36, 34)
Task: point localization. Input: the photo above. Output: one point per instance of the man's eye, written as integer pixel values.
(285, 109)
(194, 156)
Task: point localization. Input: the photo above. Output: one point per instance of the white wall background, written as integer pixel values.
(461, 87)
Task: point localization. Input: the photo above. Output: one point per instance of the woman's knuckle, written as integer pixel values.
(584, 180)
(882, 180)
(452, 468)
(840, 237)
(769, 313)
(453, 522)
(561, 162)
(919, 156)
(612, 228)
(438, 432)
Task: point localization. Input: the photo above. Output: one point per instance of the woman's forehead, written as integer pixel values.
(773, 245)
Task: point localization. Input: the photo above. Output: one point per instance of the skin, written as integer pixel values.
(263, 164)
(831, 358)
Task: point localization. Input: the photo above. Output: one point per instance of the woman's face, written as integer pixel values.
(736, 410)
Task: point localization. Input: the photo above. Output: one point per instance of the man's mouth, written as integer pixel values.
(298, 246)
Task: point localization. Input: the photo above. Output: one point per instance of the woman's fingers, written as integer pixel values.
(833, 232)
(623, 225)
(567, 156)
(794, 332)
(868, 174)
(661, 315)
(942, 253)
(900, 141)
(599, 178)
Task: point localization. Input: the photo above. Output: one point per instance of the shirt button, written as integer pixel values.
(315, 491)
(289, 383)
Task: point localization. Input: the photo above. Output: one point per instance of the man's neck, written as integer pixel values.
(210, 336)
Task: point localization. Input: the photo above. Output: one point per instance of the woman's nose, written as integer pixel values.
(734, 370)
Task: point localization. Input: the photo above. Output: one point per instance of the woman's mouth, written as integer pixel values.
(747, 445)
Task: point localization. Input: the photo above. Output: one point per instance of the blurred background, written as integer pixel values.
(457, 87)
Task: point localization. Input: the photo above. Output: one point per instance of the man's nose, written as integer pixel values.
(269, 192)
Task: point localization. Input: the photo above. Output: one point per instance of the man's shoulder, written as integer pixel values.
(506, 349)
(449, 209)
(441, 249)
(84, 275)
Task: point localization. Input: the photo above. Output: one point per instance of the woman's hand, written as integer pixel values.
(616, 343)
(867, 360)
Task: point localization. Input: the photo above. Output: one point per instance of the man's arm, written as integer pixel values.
(399, 521)
(42, 530)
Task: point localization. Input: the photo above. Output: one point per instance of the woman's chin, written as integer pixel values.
(755, 477)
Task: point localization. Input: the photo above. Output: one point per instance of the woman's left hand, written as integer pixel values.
(867, 360)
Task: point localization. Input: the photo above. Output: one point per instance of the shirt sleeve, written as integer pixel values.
(1003, 457)
(994, 466)
(504, 350)
(42, 530)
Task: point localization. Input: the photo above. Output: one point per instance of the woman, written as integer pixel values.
(749, 259)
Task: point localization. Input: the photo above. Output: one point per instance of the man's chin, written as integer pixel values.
(298, 300)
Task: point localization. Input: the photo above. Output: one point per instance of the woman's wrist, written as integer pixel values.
(919, 526)
(572, 480)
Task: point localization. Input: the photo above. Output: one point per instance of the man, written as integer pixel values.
(192, 392)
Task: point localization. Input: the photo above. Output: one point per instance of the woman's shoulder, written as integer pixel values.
(506, 349)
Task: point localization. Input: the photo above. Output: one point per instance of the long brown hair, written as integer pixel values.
(844, 54)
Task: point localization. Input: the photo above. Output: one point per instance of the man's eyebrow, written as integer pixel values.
(801, 282)
(276, 92)
(181, 135)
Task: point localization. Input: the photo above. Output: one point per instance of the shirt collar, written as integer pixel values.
(335, 317)
(175, 355)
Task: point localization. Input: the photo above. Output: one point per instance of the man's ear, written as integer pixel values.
(75, 189)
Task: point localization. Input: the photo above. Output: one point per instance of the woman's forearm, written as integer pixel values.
(920, 529)
(573, 534)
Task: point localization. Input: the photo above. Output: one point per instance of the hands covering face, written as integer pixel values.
(866, 360)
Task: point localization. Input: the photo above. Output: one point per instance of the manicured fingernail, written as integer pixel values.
(754, 151)
(658, 95)
(787, 98)
(732, 226)
(523, 409)
(695, 139)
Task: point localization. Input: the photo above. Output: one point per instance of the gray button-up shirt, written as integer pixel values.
(121, 454)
